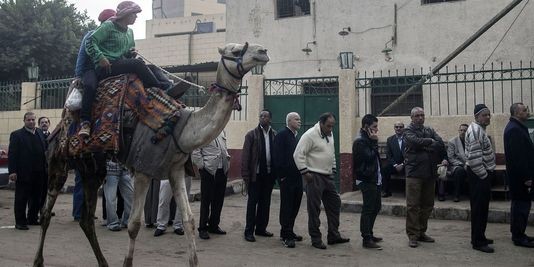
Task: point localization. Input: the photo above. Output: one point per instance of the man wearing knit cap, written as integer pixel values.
(480, 165)
(85, 70)
(316, 159)
(424, 150)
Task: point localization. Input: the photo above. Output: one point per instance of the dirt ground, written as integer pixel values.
(66, 244)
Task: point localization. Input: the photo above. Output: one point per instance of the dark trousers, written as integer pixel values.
(44, 192)
(480, 193)
(78, 197)
(386, 172)
(322, 188)
(212, 191)
(151, 203)
(519, 210)
(90, 83)
(137, 66)
(458, 177)
(28, 195)
(372, 202)
(290, 199)
(419, 205)
(259, 203)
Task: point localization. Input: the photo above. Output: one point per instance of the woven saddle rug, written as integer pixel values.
(116, 94)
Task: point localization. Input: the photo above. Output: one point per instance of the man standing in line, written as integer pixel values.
(395, 157)
(424, 151)
(289, 178)
(118, 178)
(519, 153)
(27, 168)
(456, 158)
(366, 171)
(164, 208)
(213, 162)
(44, 125)
(257, 172)
(315, 158)
(480, 166)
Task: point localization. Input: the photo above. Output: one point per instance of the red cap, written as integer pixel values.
(106, 14)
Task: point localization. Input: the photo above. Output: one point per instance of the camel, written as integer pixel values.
(202, 127)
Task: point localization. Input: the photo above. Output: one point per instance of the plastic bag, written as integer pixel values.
(74, 101)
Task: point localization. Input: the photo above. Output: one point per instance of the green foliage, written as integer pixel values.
(46, 31)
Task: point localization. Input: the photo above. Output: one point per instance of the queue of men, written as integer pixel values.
(307, 164)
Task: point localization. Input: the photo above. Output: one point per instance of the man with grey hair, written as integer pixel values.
(480, 166)
(519, 153)
(289, 178)
(423, 152)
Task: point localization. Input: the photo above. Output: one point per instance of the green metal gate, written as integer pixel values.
(310, 97)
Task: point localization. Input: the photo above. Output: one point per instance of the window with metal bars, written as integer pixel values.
(424, 2)
(292, 8)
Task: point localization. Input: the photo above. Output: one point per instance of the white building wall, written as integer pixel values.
(158, 27)
(184, 8)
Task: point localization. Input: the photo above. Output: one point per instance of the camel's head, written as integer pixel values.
(239, 59)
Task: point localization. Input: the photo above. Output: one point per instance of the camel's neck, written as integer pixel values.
(205, 124)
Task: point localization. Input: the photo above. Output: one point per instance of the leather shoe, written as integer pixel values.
(319, 245)
(179, 231)
(484, 248)
(386, 194)
(21, 227)
(217, 231)
(441, 198)
(338, 241)
(250, 238)
(297, 237)
(524, 243)
(289, 243)
(425, 238)
(530, 238)
(34, 223)
(371, 244)
(489, 241)
(376, 239)
(456, 199)
(413, 243)
(159, 232)
(264, 233)
(203, 235)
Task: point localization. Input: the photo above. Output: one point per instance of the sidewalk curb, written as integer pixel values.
(440, 213)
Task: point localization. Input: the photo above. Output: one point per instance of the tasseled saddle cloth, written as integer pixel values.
(150, 106)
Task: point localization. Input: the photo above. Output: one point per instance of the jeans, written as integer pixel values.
(77, 197)
(165, 197)
(125, 184)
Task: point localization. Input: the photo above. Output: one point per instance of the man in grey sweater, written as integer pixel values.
(480, 165)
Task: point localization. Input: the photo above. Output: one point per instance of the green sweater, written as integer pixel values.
(110, 41)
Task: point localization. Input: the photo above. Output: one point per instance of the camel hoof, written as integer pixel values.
(193, 261)
(128, 262)
(38, 263)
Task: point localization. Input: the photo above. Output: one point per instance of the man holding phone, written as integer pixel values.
(366, 166)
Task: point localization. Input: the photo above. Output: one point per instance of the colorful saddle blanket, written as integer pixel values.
(151, 106)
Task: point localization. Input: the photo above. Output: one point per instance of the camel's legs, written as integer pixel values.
(141, 183)
(177, 181)
(93, 172)
(56, 180)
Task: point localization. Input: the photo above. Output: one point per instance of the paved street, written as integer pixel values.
(67, 246)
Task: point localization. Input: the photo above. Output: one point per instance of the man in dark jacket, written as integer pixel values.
(27, 167)
(424, 151)
(289, 178)
(519, 153)
(395, 157)
(366, 166)
(257, 172)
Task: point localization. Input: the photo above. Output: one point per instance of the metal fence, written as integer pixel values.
(454, 91)
(10, 94)
(52, 94)
(196, 98)
(301, 86)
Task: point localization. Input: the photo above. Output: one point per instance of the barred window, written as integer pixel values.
(292, 8)
(385, 90)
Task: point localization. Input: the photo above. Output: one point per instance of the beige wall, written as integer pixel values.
(203, 7)
(182, 24)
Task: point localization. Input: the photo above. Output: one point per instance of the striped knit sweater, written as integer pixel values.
(479, 151)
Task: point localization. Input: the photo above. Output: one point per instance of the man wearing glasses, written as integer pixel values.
(395, 158)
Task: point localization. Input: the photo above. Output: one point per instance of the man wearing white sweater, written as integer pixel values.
(315, 158)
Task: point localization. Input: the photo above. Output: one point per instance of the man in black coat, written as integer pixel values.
(395, 157)
(27, 167)
(289, 178)
(366, 172)
(519, 153)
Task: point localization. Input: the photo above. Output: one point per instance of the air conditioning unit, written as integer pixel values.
(205, 27)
